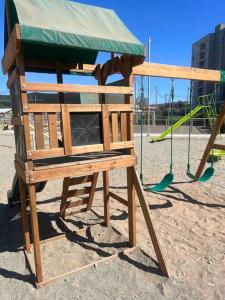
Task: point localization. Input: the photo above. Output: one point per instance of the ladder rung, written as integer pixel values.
(80, 180)
(78, 192)
(75, 212)
(77, 203)
(219, 147)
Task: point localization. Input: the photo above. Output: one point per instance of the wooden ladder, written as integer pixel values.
(87, 193)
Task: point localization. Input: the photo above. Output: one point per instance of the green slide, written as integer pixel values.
(178, 123)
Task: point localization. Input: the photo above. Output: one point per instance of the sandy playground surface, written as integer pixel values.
(189, 219)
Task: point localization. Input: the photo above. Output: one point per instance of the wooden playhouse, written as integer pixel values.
(72, 140)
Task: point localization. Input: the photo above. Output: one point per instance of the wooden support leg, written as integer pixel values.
(106, 197)
(131, 208)
(218, 124)
(149, 223)
(92, 192)
(35, 231)
(66, 183)
(24, 215)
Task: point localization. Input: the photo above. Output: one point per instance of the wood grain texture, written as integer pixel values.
(171, 71)
(72, 88)
(115, 127)
(39, 131)
(67, 135)
(151, 229)
(35, 232)
(79, 169)
(12, 49)
(52, 127)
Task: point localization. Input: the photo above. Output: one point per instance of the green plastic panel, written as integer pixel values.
(222, 79)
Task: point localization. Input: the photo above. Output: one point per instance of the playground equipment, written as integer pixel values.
(184, 119)
(73, 44)
(94, 137)
(168, 178)
(206, 104)
(210, 170)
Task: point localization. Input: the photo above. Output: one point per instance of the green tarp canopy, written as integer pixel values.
(69, 31)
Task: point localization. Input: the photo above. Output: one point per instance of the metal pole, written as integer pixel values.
(149, 102)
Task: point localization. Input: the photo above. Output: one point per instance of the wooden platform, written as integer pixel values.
(77, 165)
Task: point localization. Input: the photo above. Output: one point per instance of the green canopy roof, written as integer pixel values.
(66, 30)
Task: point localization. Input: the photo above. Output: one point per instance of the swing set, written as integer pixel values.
(169, 177)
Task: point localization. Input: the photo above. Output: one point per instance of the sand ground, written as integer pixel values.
(189, 219)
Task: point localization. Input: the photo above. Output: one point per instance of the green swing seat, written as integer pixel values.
(168, 178)
(162, 185)
(209, 172)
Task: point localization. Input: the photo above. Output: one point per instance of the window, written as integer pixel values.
(202, 55)
(200, 91)
(202, 64)
(202, 46)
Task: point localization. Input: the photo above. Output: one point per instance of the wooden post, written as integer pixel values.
(35, 231)
(24, 215)
(92, 192)
(218, 124)
(105, 173)
(59, 77)
(106, 198)
(151, 229)
(131, 208)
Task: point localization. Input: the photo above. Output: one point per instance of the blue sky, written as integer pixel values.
(173, 26)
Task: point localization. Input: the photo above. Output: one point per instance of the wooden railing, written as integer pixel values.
(54, 121)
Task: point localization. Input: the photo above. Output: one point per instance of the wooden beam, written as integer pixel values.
(75, 88)
(122, 145)
(77, 203)
(106, 198)
(45, 153)
(17, 121)
(92, 192)
(64, 66)
(105, 127)
(40, 108)
(12, 78)
(87, 149)
(78, 169)
(218, 124)
(35, 231)
(118, 198)
(12, 49)
(151, 229)
(66, 125)
(80, 180)
(170, 71)
(78, 192)
(132, 219)
(24, 215)
(219, 147)
(39, 131)
(52, 127)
